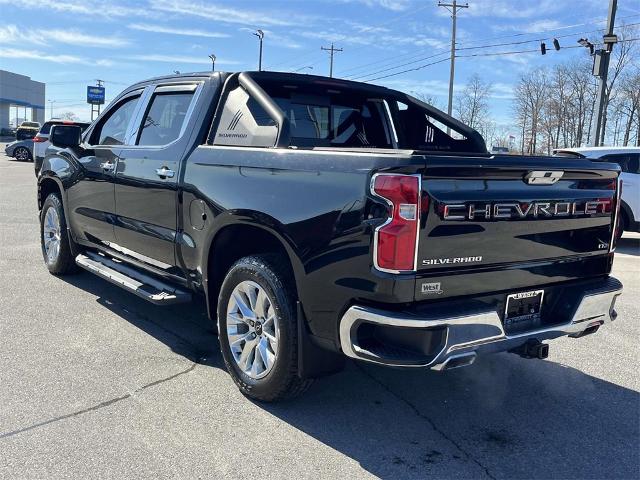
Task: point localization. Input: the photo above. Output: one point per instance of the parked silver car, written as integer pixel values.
(20, 150)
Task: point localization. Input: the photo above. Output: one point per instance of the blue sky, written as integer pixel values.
(70, 43)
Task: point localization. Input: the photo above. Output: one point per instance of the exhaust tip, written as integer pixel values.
(458, 361)
(542, 351)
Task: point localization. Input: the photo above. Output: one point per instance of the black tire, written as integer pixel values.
(22, 154)
(282, 381)
(622, 225)
(64, 261)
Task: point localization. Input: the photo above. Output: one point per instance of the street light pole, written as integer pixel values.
(213, 62)
(260, 35)
(51, 102)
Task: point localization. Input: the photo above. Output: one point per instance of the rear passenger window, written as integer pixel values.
(164, 118)
(628, 161)
(245, 123)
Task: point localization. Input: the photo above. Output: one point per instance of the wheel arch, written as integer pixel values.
(238, 238)
(625, 210)
(48, 185)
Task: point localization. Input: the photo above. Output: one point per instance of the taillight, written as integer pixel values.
(396, 241)
(38, 139)
(616, 216)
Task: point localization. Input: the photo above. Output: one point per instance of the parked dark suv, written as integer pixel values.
(27, 130)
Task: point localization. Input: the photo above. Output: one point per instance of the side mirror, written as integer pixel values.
(65, 136)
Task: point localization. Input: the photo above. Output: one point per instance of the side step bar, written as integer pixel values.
(146, 287)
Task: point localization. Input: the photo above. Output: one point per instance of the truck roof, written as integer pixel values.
(276, 76)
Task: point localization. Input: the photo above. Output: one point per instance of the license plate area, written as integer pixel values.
(523, 311)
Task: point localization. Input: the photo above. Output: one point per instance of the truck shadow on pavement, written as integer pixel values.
(629, 246)
(504, 417)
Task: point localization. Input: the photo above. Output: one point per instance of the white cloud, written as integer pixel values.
(96, 8)
(12, 34)
(20, 53)
(508, 8)
(500, 90)
(384, 41)
(227, 14)
(201, 60)
(146, 27)
(395, 5)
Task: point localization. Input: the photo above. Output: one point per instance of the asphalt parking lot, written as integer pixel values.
(96, 383)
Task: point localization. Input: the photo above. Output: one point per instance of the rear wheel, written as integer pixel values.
(54, 237)
(258, 330)
(22, 154)
(622, 225)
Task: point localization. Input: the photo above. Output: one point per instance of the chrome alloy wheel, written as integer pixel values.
(51, 234)
(21, 154)
(252, 329)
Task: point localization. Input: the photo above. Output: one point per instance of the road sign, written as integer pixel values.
(95, 95)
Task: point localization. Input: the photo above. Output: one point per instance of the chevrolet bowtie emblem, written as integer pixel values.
(543, 177)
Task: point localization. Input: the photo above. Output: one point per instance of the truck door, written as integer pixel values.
(91, 197)
(147, 176)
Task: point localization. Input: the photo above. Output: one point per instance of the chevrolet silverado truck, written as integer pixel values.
(323, 219)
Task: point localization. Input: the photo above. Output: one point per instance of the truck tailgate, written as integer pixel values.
(507, 212)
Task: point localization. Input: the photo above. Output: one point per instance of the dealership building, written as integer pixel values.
(20, 99)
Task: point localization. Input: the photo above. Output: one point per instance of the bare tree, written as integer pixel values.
(472, 105)
(630, 102)
(529, 103)
(69, 116)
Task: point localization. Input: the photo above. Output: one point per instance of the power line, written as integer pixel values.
(343, 37)
(390, 60)
(480, 55)
(376, 72)
(408, 70)
(399, 66)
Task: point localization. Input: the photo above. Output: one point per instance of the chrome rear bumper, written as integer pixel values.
(469, 334)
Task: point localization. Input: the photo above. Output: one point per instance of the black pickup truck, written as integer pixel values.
(324, 219)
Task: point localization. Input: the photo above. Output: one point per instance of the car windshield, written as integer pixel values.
(30, 124)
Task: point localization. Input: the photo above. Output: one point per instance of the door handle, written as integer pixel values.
(164, 172)
(108, 166)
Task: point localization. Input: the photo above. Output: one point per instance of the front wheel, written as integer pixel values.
(22, 154)
(258, 330)
(54, 237)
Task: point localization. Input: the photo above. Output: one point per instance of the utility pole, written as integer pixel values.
(453, 8)
(331, 51)
(601, 69)
(260, 35)
(213, 62)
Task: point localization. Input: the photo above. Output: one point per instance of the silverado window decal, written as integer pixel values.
(245, 123)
